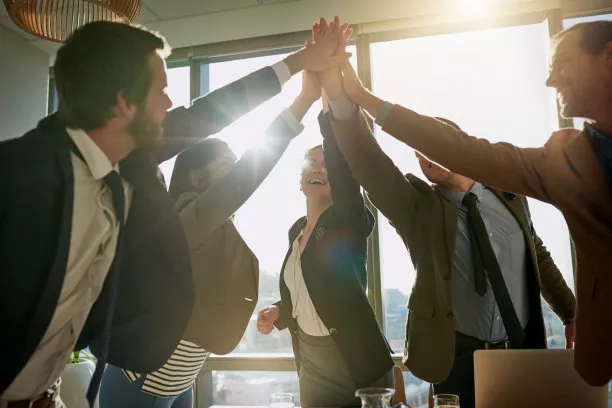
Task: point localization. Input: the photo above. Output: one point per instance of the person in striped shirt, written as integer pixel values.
(209, 186)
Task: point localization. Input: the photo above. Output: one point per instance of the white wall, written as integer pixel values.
(24, 77)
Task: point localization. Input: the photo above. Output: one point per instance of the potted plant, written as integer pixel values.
(75, 379)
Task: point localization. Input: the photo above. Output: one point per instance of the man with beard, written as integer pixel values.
(572, 171)
(92, 252)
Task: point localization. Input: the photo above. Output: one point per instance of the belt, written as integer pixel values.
(47, 399)
(478, 344)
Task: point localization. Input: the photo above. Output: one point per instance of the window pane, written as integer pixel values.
(252, 388)
(491, 83)
(569, 22)
(179, 91)
(265, 219)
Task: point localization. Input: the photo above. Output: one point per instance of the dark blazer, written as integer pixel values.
(155, 293)
(565, 173)
(334, 268)
(427, 223)
(225, 270)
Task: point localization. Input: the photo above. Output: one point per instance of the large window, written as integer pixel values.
(491, 83)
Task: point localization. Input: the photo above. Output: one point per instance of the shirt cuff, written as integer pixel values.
(291, 120)
(383, 113)
(282, 72)
(342, 108)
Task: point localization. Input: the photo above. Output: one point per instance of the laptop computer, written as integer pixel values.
(532, 378)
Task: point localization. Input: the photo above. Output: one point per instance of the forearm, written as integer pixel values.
(221, 200)
(300, 106)
(367, 100)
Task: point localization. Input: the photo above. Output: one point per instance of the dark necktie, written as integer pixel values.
(484, 260)
(115, 184)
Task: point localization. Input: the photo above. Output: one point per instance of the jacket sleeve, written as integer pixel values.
(501, 165)
(284, 316)
(221, 200)
(554, 289)
(385, 184)
(209, 114)
(346, 194)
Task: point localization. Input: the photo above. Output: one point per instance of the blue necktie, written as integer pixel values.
(115, 184)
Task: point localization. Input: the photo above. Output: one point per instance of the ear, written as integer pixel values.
(123, 108)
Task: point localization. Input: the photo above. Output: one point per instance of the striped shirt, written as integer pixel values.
(177, 375)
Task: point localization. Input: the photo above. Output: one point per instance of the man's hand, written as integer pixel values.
(570, 334)
(321, 54)
(266, 319)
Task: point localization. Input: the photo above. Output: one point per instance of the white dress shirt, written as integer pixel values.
(303, 309)
(93, 242)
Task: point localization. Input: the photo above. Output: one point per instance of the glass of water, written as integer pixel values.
(446, 401)
(281, 400)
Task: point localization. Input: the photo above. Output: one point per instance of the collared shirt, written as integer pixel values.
(304, 310)
(475, 315)
(93, 242)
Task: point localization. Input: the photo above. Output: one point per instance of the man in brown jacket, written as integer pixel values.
(572, 171)
(460, 303)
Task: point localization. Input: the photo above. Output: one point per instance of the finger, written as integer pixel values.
(322, 25)
(348, 33)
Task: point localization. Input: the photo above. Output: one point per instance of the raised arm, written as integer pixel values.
(386, 186)
(502, 165)
(216, 110)
(219, 202)
(345, 190)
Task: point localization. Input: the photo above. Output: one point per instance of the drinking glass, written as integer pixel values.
(446, 401)
(281, 400)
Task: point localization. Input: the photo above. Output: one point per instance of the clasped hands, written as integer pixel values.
(328, 65)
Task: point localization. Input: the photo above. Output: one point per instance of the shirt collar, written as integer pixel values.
(458, 196)
(95, 159)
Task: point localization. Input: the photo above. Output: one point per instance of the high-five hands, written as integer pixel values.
(322, 53)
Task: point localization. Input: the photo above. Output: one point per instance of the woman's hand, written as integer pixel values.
(266, 319)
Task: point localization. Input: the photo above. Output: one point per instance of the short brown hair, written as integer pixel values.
(97, 61)
(594, 35)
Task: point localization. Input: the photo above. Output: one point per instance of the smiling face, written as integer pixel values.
(582, 80)
(314, 183)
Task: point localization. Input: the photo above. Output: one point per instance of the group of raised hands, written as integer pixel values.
(325, 62)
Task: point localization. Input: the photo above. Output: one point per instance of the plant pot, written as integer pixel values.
(75, 381)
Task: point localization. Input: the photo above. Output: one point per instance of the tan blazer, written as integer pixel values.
(427, 223)
(565, 173)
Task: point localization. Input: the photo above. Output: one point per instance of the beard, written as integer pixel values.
(146, 133)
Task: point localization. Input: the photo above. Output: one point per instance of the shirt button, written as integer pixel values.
(449, 315)
(333, 330)
(498, 317)
(491, 234)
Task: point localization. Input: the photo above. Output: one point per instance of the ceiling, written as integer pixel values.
(157, 11)
(188, 23)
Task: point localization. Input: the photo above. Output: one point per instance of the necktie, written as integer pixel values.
(484, 260)
(115, 184)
